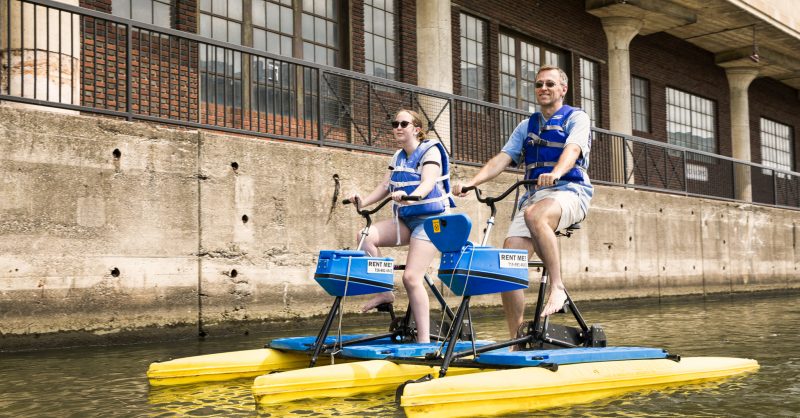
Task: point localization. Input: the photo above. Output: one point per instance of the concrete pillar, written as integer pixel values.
(43, 51)
(435, 62)
(619, 33)
(739, 80)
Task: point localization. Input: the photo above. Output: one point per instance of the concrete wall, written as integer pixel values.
(111, 229)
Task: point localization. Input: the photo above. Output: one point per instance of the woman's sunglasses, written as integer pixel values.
(404, 124)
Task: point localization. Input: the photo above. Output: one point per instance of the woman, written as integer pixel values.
(419, 168)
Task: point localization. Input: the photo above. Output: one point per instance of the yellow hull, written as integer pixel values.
(526, 389)
(224, 366)
(340, 380)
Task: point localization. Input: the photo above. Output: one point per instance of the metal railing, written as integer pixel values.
(56, 55)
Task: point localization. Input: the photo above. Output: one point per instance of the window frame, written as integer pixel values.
(542, 54)
(688, 107)
(774, 150)
(594, 87)
(643, 99)
(480, 89)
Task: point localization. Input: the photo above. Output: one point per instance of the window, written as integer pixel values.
(221, 20)
(379, 38)
(640, 104)
(776, 145)
(590, 97)
(156, 12)
(320, 32)
(519, 62)
(273, 26)
(690, 121)
(473, 68)
(221, 68)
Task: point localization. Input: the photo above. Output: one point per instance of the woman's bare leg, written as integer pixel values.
(420, 256)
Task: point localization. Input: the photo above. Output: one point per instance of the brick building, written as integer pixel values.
(718, 77)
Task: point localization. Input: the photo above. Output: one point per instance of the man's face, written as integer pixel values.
(549, 89)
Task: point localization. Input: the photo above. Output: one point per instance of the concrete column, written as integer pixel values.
(44, 54)
(435, 61)
(619, 33)
(739, 80)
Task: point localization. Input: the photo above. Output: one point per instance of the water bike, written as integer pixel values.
(571, 363)
(341, 273)
(555, 365)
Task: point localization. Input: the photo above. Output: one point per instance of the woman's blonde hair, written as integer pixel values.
(416, 120)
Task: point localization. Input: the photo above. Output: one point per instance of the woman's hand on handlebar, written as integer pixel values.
(353, 199)
(397, 196)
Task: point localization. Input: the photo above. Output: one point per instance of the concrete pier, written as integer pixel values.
(110, 228)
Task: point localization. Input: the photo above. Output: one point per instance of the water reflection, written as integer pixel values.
(111, 381)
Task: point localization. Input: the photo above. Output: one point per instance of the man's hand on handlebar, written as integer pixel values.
(547, 180)
(462, 190)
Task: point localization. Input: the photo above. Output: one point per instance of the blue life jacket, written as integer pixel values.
(407, 176)
(544, 145)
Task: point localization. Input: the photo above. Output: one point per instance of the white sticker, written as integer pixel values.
(513, 261)
(380, 266)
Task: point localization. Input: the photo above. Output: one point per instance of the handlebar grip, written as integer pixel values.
(346, 202)
(468, 188)
(411, 198)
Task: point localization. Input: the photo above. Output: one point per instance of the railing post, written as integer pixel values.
(128, 70)
(685, 172)
(369, 112)
(319, 107)
(774, 187)
(451, 103)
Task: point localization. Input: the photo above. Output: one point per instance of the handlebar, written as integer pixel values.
(367, 212)
(490, 201)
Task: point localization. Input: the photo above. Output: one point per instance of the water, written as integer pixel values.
(111, 382)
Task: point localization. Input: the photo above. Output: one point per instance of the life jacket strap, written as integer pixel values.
(537, 140)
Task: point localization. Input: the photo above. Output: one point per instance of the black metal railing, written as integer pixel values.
(53, 54)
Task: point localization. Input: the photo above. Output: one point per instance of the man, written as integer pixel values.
(554, 145)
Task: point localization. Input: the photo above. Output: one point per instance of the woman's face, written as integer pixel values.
(403, 127)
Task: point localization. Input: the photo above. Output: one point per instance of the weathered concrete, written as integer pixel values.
(96, 244)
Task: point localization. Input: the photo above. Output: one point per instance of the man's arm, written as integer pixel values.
(490, 170)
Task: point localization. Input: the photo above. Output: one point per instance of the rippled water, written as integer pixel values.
(110, 381)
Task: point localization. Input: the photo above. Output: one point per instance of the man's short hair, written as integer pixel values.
(564, 79)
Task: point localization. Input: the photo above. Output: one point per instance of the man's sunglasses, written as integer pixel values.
(404, 124)
(550, 84)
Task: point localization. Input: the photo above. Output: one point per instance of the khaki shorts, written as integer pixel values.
(573, 198)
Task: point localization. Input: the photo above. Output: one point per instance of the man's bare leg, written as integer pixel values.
(378, 299)
(514, 301)
(542, 220)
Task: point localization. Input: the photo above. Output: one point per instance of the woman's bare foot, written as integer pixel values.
(556, 300)
(385, 297)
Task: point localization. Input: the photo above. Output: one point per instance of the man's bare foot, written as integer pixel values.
(385, 297)
(556, 300)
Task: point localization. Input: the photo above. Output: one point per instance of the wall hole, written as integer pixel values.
(117, 153)
(234, 273)
(235, 165)
(621, 206)
(245, 218)
(626, 268)
(587, 268)
(115, 272)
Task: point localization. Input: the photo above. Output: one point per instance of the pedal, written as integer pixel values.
(385, 307)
